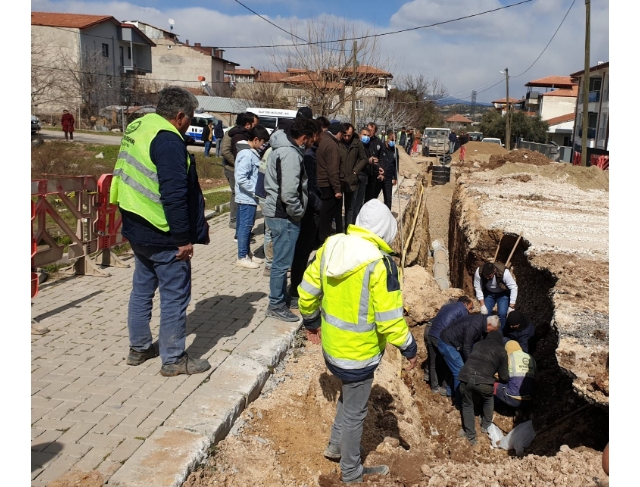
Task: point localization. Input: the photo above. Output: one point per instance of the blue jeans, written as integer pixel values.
(452, 147)
(245, 218)
(454, 361)
(218, 147)
(267, 239)
(503, 305)
(284, 235)
(207, 148)
(157, 267)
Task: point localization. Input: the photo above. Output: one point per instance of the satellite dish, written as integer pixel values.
(172, 22)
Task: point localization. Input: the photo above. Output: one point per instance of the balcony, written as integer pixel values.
(594, 96)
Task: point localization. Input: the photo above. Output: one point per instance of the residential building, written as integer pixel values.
(182, 64)
(85, 62)
(501, 104)
(561, 129)
(557, 102)
(458, 121)
(537, 88)
(598, 108)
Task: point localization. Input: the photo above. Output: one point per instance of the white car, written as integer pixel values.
(492, 140)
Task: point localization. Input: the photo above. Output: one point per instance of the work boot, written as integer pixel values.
(137, 358)
(282, 313)
(186, 365)
(377, 470)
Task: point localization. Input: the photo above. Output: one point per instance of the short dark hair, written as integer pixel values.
(319, 125)
(373, 124)
(239, 118)
(249, 117)
(303, 127)
(464, 300)
(488, 268)
(390, 132)
(348, 126)
(259, 132)
(324, 121)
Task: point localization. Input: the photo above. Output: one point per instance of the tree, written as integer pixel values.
(532, 129)
(265, 95)
(46, 83)
(419, 94)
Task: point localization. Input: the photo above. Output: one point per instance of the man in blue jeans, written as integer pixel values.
(155, 185)
(494, 284)
(285, 183)
(457, 340)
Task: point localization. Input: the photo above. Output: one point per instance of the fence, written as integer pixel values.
(553, 152)
(82, 200)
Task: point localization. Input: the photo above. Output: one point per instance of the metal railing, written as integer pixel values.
(549, 150)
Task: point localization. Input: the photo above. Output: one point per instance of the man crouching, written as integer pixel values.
(350, 300)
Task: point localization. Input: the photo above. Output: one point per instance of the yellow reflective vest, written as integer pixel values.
(135, 186)
(352, 288)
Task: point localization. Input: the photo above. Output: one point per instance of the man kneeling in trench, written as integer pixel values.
(350, 299)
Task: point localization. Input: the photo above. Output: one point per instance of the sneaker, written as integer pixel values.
(186, 365)
(332, 452)
(283, 314)
(377, 470)
(137, 358)
(255, 259)
(235, 239)
(267, 271)
(443, 392)
(294, 302)
(38, 329)
(485, 430)
(232, 224)
(246, 262)
(462, 434)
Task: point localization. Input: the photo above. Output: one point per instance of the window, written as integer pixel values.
(593, 120)
(359, 105)
(302, 101)
(217, 75)
(128, 52)
(595, 84)
(121, 56)
(105, 50)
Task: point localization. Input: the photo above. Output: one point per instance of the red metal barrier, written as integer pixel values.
(600, 161)
(108, 225)
(34, 249)
(577, 159)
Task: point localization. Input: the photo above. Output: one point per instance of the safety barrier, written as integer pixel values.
(34, 249)
(600, 161)
(97, 227)
(577, 158)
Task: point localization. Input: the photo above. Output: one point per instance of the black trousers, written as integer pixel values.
(438, 371)
(331, 209)
(469, 391)
(305, 244)
(386, 187)
(348, 200)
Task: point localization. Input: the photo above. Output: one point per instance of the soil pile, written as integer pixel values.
(521, 155)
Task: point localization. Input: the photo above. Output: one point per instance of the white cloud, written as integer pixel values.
(464, 55)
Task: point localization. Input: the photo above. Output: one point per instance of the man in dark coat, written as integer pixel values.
(476, 381)
(354, 159)
(328, 171)
(387, 179)
(520, 329)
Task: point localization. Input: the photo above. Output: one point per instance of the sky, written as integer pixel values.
(465, 55)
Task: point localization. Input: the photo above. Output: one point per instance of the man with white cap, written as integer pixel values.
(351, 301)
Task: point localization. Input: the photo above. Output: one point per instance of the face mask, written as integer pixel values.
(391, 143)
(365, 139)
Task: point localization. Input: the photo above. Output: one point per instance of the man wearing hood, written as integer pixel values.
(351, 301)
(285, 183)
(520, 329)
(476, 382)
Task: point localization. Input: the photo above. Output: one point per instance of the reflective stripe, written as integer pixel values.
(363, 310)
(310, 288)
(346, 326)
(312, 315)
(136, 186)
(152, 175)
(408, 341)
(352, 364)
(394, 314)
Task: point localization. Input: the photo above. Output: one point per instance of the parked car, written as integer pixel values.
(435, 140)
(198, 122)
(35, 125)
(477, 136)
(492, 140)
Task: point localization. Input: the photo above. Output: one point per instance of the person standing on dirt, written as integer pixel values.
(363, 175)
(494, 284)
(458, 338)
(387, 179)
(520, 329)
(449, 313)
(476, 382)
(402, 137)
(354, 160)
(351, 301)
(518, 391)
(452, 142)
(67, 121)
(218, 133)
(155, 185)
(373, 150)
(329, 162)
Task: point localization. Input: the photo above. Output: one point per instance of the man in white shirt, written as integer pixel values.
(494, 284)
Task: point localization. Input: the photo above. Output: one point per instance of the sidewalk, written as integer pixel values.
(90, 411)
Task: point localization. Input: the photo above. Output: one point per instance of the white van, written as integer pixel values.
(435, 140)
(198, 122)
(270, 117)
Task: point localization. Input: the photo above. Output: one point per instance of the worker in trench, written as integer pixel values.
(518, 390)
(351, 302)
(494, 284)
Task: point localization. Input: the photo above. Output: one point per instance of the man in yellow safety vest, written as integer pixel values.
(155, 185)
(350, 299)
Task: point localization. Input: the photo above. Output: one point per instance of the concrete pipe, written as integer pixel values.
(440, 265)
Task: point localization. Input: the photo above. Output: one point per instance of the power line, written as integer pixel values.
(383, 33)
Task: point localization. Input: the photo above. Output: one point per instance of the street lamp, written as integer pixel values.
(508, 120)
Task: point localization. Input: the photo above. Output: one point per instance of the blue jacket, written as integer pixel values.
(180, 195)
(448, 314)
(246, 173)
(463, 333)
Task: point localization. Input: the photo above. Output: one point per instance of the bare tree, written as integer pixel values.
(259, 94)
(422, 88)
(46, 80)
(386, 114)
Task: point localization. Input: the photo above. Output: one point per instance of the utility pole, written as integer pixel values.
(584, 140)
(508, 121)
(353, 84)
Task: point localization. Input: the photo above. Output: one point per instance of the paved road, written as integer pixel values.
(98, 138)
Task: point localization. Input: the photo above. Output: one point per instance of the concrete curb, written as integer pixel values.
(167, 457)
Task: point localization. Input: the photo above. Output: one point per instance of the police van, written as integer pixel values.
(270, 117)
(198, 122)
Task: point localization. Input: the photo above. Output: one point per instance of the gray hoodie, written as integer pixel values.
(285, 179)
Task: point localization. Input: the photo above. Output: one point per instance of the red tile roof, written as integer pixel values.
(561, 119)
(513, 101)
(457, 118)
(271, 76)
(562, 92)
(244, 72)
(73, 21)
(366, 69)
(552, 81)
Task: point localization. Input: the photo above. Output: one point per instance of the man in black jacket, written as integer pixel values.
(458, 338)
(476, 381)
(520, 329)
(373, 150)
(387, 178)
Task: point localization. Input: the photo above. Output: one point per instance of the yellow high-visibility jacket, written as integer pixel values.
(352, 290)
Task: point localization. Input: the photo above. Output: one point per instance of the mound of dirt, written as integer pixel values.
(422, 296)
(522, 155)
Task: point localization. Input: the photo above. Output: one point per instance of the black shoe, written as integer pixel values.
(186, 365)
(137, 358)
(283, 314)
(294, 302)
(377, 470)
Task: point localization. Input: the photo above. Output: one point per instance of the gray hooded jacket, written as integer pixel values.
(285, 179)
